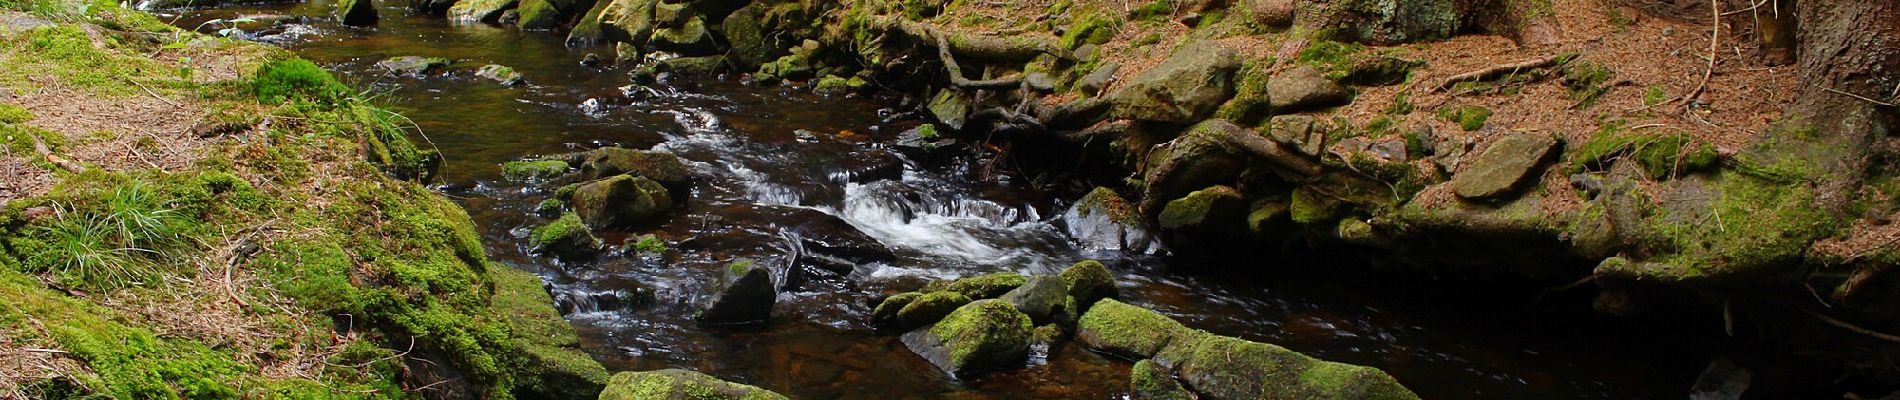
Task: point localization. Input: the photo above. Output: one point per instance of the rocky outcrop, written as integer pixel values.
(679, 384)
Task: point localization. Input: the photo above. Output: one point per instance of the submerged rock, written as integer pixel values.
(906, 311)
(679, 384)
(565, 238)
(745, 296)
(500, 74)
(620, 201)
(983, 336)
(356, 12)
(413, 65)
(1502, 166)
(1304, 88)
(1189, 87)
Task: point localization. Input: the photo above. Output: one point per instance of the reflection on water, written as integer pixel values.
(814, 188)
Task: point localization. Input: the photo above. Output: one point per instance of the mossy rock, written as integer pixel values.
(629, 21)
(1125, 330)
(620, 201)
(1211, 210)
(566, 238)
(1660, 156)
(694, 66)
(356, 12)
(676, 384)
(1148, 380)
(1469, 118)
(1042, 298)
(551, 361)
(980, 287)
(832, 85)
(1310, 207)
(744, 296)
(982, 336)
(659, 166)
(480, 10)
(691, 39)
(911, 310)
(1089, 281)
(504, 75)
(1188, 87)
(1251, 104)
(533, 169)
(413, 65)
(1229, 368)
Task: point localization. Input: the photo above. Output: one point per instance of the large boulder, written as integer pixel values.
(1102, 220)
(745, 296)
(620, 201)
(567, 238)
(690, 39)
(1219, 367)
(1189, 87)
(1502, 166)
(586, 32)
(1124, 330)
(466, 11)
(547, 14)
(676, 384)
(1199, 158)
(628, 21)
(983, 336)
(1211, 210)
(906, 311)
(1043, 298)
(1304, 88)
(356, 12)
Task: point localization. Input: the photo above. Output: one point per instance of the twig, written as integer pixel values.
(1511, 68)
(1862, 98)
(1852, 327)
(1715, 40)
(48, 351)
(154, 94)
(40, 146)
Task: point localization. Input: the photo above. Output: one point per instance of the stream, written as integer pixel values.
(782, 170)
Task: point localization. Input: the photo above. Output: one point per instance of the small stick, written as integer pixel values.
(1856, 96)
(154, 95)
(1511, 68)
(40, 146)
(1715, 40)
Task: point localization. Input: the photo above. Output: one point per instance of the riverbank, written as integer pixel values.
(200, 217)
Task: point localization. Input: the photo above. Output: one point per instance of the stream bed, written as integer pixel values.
(780, 169)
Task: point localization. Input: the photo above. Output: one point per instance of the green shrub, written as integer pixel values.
(284, 80)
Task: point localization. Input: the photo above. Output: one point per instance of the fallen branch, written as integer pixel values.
(154, 94)
(1487, 73)
(69, 165)
(1862, 98)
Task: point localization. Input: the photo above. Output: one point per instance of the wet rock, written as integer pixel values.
(750, 37)
(467, 11)
(629, 21)
(567, 238)
(1499, 169)
(981, 286)
(745, 296)
(1185, 89)
(586, 32)
(659, 166)
(1197, 159)
(1220, 367)
(951, 107)
(1042, 298)
(1093, 83)
(832, 85)
(793, 67)
(679, 384)
(1721, 380)
(983, 336)
(1300, 132)
(1102, 220)
(691, 39)
(1089, 281)
(1304, 88)
(1212, 209)
(548, 14)
(827, 235)
(694, 66)
(590, 60)
(1127, 331)
(356, 12)
(413, 65)
(672, 15)
(907, 311)
(500, 74)
(620, 201)
(1150, 381)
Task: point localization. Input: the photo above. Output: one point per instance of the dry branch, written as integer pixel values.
(1494, 71)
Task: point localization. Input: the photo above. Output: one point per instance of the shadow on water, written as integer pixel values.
(783, 171)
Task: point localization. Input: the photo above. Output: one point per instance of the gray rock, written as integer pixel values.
(983, 336)
(356, 12)
(1498, 170)
(1103, 220)
(1189, 87)
(745, 296)
(659, 166)
(1093, 83)
(620, 201)
(413, 65)
(499, 73)
(1300, 132)
(1042, 298)
(951, 107)
(1304, 88)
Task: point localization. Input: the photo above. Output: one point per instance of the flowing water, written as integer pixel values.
(797, 181)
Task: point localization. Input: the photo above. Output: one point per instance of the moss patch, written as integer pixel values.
(1660, 155)
(982, 286)
(1470, 118)
(1126, 330)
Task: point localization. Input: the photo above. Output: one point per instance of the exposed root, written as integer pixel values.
(1019, 48)
(1715, 40)
(1494, 71)
(956, 72)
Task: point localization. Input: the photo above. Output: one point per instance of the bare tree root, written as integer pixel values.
(1494, 71)
(1017, 48)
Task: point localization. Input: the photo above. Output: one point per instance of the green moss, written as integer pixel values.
(1310, 208)
(982, 286)
(562, 229)
(1153, 11)
(1150, 381)
(1105, 200)
(1654, 96)
(1089, 29)
(1586, 81)
(680, 384)
(1250, 105)
(1225, 367)
(1468, 117)
(650, 244)
(566, 191)
(1089, 281)
(1331, 57)
(1401, 104)
(284, 80)
(13, 114)
(1127, 330)
(832, 84)
(1660, 156)
(1212, 205)
(982, 328)
(533, 169)
(67, 53)
(929, 308)
(550, 206)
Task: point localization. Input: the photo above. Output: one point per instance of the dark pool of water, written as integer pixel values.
(764, 191)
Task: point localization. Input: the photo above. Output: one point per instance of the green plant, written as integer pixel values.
(650, 244)
(81, 250)
(285, 80)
